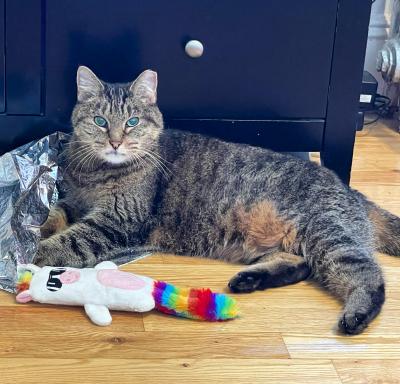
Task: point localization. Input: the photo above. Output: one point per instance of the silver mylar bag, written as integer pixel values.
(29, 179)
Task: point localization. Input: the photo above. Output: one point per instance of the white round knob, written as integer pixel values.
(194, 48)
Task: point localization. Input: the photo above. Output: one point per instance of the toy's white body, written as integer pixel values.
(98, 289)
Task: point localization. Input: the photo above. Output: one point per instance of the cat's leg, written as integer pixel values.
(84, 243)
(56, 222)
(60, 217)
(275, 270)
(357, 279)
(342, 260)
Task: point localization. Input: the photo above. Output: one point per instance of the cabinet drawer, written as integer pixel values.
(254, 65)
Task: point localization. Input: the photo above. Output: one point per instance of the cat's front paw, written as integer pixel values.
(56, 222)
(245, 282)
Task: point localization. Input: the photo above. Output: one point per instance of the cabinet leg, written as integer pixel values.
(345, 85)
(338, 156)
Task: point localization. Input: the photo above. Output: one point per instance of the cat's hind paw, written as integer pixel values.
(353, 323)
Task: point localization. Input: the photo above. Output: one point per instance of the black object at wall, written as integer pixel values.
(281, 74)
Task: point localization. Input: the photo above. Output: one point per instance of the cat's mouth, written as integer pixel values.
(115, 157)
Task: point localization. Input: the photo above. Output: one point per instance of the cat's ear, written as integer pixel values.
(88, 84)
(145, 87)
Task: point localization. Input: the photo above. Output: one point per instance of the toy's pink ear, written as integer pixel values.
(24, 297)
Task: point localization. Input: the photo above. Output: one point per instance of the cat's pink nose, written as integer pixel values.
(115, 144)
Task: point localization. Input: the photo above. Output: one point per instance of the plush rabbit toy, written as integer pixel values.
(104, 287)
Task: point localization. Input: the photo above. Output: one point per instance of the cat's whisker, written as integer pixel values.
(135, 159)
(92, 163)
(150, 147)
(78, 152)
(78, 144)
(77, 141)
(167, 171)
(157, 166)
(159, 161)
(144, 161)
(92, 159)
(80, 147)
(69, 152)
(74, 161)
(78, 158)
(82, 163)
(160, 157)
(85, 160)
(81, 158)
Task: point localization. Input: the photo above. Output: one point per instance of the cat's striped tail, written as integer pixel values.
(199, 304)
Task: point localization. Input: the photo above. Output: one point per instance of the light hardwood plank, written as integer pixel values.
(144, 345)
(60, 321)
(343, 347)
(368, 371)
(99, 371)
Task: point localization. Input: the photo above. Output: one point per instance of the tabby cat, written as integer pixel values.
(129, 182)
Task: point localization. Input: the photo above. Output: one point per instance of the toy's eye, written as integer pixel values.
(132, 122)
(100, 121)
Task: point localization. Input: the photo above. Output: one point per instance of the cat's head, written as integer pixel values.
(116, 124)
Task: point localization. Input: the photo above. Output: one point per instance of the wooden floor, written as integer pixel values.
(284, 335)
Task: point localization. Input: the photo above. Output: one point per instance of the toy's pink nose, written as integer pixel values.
(115, 144)
(69, 277)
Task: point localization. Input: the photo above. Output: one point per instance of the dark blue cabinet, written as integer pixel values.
(2, 59)
(23, 59)
(265, 76)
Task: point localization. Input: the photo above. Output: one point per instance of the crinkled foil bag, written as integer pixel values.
(30, 180)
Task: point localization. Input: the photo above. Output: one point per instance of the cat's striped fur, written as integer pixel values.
(196, 195)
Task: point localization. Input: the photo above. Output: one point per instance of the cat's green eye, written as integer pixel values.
(132, 122)
(100, 121)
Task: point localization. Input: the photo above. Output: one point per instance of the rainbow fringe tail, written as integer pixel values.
(24, 280)
(199, 304)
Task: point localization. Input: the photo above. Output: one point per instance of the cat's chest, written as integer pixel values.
(121, 193)
(105, 193)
